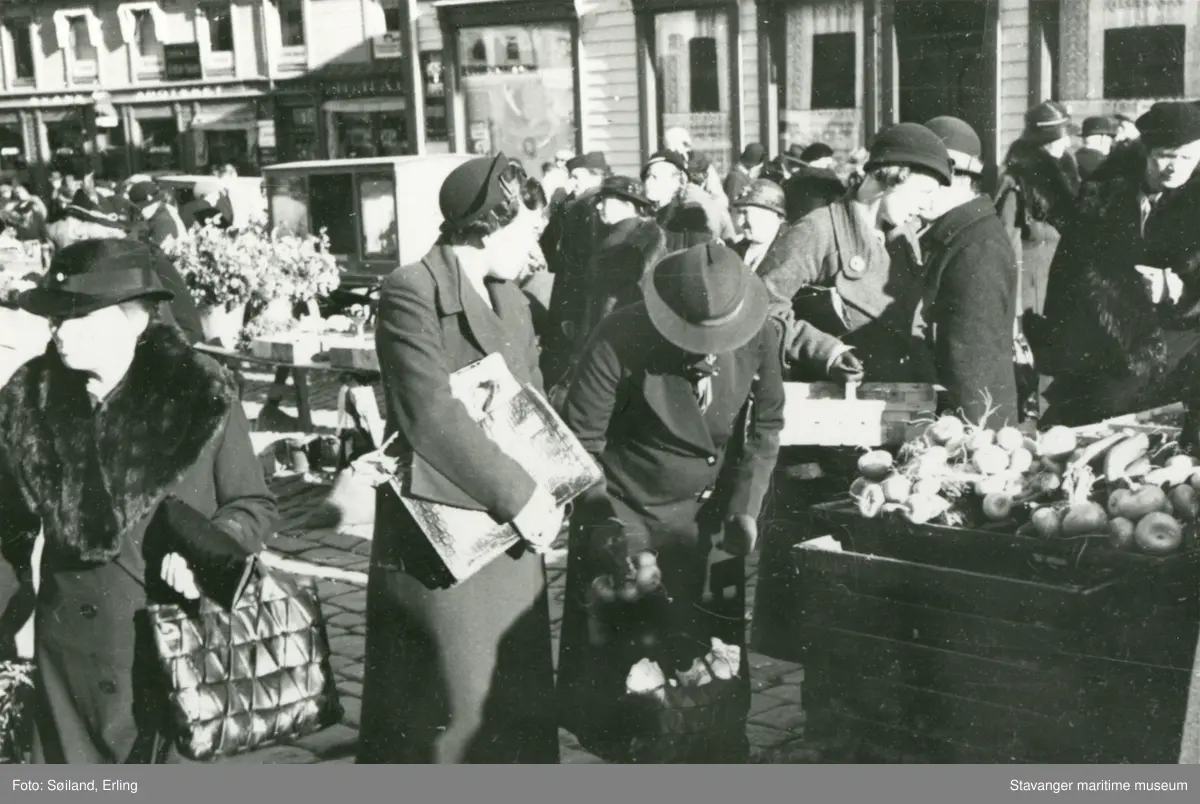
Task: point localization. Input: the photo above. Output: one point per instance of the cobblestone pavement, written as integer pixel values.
(776, 720)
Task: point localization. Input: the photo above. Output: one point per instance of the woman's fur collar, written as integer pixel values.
(642, 234)
(1047, 185)
(93, 476)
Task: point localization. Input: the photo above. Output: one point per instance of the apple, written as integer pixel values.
(1122, 533)
(1158, 533)
(1146, 500)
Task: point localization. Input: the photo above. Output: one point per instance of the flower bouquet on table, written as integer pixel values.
(16, 692)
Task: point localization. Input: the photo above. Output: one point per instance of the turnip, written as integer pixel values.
(993, 484)
(1084, 517)
(1057, 442)
(1010, 439)
(1047, 522)
(1180, 460)
(896, 488)
(876, 465)
(997, 507)
(1021, 460)
(945, 430)
(1122, 531)
(990, 460)
(980, 438)
(1185, 503)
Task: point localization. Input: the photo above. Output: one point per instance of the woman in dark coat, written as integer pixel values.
(680, 399)
(1122, 317)
(118, 415)
(459, 672)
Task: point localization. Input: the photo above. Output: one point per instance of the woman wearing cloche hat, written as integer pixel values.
(662, 399)
(460, 672)
(117, 416)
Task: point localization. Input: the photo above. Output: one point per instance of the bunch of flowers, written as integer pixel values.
(16, 686)
(303, 267)
(222, 268)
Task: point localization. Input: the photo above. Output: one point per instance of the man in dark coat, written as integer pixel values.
(162, 221)
(568, 243)
(970, 287)
(761, 210)
(632, 245)
(1099, 134)
(745, 171)
(843, 277)
(1120, 329)
(680, 399)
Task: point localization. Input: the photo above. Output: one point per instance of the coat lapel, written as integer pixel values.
(456, 296)
(673, 400)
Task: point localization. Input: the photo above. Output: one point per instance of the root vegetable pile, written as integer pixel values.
(1130, 490)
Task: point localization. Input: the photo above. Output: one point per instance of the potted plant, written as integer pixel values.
(223, 270)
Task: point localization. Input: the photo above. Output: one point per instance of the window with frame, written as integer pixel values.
(291, 22)
(218, 27)
(834, 71)
(392, 19)
(145, 37)
(1144, 62)
(18, 58)
(81, 48)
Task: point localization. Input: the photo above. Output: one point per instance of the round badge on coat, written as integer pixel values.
(857, 265)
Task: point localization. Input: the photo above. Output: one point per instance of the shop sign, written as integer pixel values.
(182, 61)
(169, 94)
(389, 46)
(366, 88)
(266, 134)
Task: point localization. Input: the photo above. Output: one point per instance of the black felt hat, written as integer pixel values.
(594, 161)
(1170, 124)
(1046, 122)
(93, 274)
(705, 300)
(962, 143)
(1099, 126)
(912, 145)
(477, 187)
(625, 188)
(665, 155)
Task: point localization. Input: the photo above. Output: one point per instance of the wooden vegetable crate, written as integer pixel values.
(954, 665)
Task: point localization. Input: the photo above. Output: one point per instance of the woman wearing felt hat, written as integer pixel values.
(680, 399)
(459, 672)
(117, 416)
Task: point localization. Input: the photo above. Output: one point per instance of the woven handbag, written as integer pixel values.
(687, 725)
(249, 676)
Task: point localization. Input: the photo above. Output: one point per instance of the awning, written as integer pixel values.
(225, 117)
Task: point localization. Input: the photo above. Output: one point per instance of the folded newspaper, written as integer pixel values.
(524, 425)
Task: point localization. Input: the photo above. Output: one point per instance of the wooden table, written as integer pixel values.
(298, 371)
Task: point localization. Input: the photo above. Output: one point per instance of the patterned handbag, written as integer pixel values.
(251, 675)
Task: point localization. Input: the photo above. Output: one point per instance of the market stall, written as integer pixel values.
(985, 595)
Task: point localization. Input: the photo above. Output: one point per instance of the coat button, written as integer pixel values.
(712, 460)
(88, 610)
(108, 687)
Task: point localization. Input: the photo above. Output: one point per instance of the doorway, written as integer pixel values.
(941, 64)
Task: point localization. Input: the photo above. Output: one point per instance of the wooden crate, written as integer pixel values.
(970, 667)
(289, 347)
(353, 354)
(986, 549)
(827, 414)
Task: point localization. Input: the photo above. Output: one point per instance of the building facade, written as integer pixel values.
(190, 83)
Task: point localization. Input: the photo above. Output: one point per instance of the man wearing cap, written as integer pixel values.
(701, 190)
(1099, 133)
(685, 221)
(761, 210)
(662, 400)
(162, 221)
(632, 243)
(747, 169)
(970, 287)
(568, 242)
(1036, 196)
(1122, 315)
(843, 277)
(818, 155)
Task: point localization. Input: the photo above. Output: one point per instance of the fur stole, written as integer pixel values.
(93, 476)
(624, 256)
(1047, 186)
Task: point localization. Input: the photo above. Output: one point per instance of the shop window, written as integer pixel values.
(1144, 62)
(12, 146)
(18, 52)
(834, 71)
(692, 50)
(331, 207)
(377, 201)
(65, 137)
(433, 78)
(518, 83)
(361, 135)
(160, 144)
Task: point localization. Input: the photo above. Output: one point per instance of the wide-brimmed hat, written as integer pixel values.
(762, 193)
(93, 274)
(475, 188)
(624, 188)
(705, 300)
